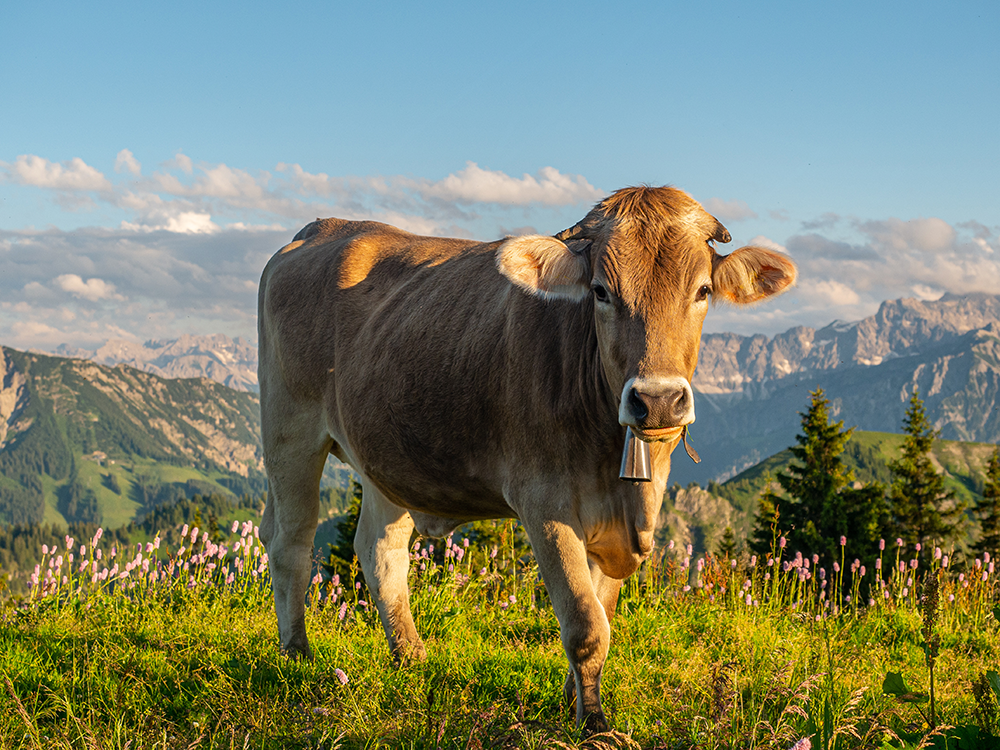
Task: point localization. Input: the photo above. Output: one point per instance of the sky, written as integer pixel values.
(153, 156)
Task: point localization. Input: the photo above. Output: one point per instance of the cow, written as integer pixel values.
(464, 380)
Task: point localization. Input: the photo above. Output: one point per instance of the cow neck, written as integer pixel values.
(584, 379)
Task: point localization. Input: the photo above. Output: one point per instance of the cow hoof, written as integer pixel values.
(595, 723)
(410, 653)
(298, 650)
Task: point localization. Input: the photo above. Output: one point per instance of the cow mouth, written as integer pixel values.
(658, 434)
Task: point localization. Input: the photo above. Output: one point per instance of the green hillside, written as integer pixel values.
(867, 454)
(80, 442)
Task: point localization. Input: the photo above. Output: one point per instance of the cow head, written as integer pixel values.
(644, 260)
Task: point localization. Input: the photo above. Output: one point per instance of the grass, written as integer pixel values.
(182, 653)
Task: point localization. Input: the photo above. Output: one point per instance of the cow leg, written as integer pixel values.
(381, 543)
(607, 589)
(583, 621)
(294, 466)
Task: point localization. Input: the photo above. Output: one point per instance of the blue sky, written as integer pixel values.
(152, 158)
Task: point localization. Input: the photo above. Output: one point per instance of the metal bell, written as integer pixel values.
(635, 460)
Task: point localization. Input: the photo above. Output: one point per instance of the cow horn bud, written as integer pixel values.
(635, 460)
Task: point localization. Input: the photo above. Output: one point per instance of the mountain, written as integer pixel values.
(83, 441)
(750, 389)
(232, 362)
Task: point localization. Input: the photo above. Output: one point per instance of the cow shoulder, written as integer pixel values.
(751, 274)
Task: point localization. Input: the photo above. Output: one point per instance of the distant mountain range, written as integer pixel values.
(232, 362)
(750, 389)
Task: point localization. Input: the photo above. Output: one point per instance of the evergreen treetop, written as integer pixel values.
(988, 508)
(923, 510)
(820, 505)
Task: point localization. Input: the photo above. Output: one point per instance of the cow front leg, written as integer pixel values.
(288, 529)
(382, 545)
(607, 589)
(583, 621)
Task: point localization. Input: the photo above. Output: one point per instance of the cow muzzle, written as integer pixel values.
(656, 408)
(653, 409)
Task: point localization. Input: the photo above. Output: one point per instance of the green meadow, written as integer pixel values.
(150, 647)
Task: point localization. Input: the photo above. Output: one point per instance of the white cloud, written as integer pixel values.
(126, 162)
(476, 185)
(305, 183)
(72, 175)
(181, 162)
(762, 241)
(92, 289)
(926, 235)
(827, 293)
(734, 210)
(191, 222)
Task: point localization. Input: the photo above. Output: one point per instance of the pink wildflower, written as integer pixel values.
(341, 675)
(236, 525)
(803, 744)
(843, 541)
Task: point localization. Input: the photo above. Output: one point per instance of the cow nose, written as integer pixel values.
(654, 403)
(637, 405)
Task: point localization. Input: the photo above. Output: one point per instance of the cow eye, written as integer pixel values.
(600, 293)
(703, 293)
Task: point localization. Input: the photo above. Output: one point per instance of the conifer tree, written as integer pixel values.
(820, 505)
(727, 544)
(341, 555)
(988, 508)
(923, 510)
(766, 528)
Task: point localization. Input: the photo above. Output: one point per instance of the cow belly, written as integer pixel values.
(464, 498)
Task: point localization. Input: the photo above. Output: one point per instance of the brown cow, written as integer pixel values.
(467, 380)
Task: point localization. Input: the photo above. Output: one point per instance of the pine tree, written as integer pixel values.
(988, 508)
(923, 510)
(766, 528)
(820, 505)
(727, 544)
(338, 561)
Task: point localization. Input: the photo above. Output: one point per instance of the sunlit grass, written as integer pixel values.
(149, 647)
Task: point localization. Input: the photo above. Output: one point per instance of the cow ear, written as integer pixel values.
(544, 266)
(751, 274)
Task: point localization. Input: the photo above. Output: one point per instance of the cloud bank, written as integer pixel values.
(190, 239)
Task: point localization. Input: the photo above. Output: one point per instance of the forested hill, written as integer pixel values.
(81, 441)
